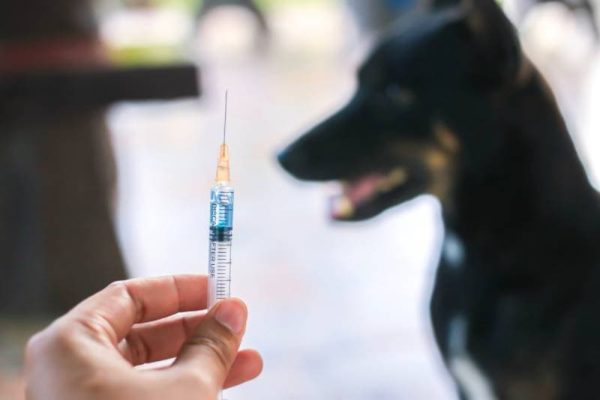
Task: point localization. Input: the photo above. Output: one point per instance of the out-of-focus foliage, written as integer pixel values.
(185, 4)
(146, 55)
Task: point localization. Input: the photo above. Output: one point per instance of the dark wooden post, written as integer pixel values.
(57, 173)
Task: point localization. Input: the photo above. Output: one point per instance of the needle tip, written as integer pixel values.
(225, 119)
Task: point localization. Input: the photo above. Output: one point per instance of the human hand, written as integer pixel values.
(90, 353)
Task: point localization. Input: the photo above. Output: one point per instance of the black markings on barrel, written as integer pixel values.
(220, 262)
(220, 234)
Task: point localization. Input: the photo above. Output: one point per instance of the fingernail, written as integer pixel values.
(231, 314)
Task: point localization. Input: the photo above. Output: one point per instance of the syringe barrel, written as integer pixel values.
(220, 235)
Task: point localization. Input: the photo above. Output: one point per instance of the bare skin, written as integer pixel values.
(91, 352)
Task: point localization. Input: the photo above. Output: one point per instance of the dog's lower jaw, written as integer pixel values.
(365, 190)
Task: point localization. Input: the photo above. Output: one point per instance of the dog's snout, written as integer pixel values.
(292, 161)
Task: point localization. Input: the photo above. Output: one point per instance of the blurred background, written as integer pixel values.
(339, 311)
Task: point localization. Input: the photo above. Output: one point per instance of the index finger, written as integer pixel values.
(115, 309)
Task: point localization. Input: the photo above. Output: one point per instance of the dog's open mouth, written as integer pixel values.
(366, 196)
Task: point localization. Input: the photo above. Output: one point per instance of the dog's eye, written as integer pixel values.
(400, 96)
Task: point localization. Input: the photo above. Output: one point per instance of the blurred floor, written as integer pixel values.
(338, 311)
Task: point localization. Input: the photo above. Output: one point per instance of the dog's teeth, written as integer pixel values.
(341, 207)
(394, 178)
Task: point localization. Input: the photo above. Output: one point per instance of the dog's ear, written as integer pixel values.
(498, 57)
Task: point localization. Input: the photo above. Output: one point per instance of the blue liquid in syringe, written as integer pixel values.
(221, 228)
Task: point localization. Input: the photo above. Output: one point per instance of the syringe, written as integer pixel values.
(221, 227)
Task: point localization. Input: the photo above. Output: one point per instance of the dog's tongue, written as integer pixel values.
(354, 194)
(362, 189)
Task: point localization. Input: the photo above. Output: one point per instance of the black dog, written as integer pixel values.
(448, 105)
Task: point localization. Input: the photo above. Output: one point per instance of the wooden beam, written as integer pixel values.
(100, 87)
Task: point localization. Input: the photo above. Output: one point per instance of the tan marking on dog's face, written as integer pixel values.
(441, 172)
(446, 138)
(441, 162)
(439, 157)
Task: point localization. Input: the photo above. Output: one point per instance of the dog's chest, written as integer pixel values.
(498, 380)
(488, 334)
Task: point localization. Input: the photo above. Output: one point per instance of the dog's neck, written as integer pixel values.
(529, 179)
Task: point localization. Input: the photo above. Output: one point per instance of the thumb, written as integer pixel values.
(210, 352)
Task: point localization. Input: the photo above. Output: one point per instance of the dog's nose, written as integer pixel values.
(293, 161)
(286, 160)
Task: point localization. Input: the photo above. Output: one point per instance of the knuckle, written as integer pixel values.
(119, 288)
(34, 342)
(218, 348)
(93, 326)
(58, 337)
(34, 347)
(61, 334)
(117, 285)
(139, 349)
(122, 289)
